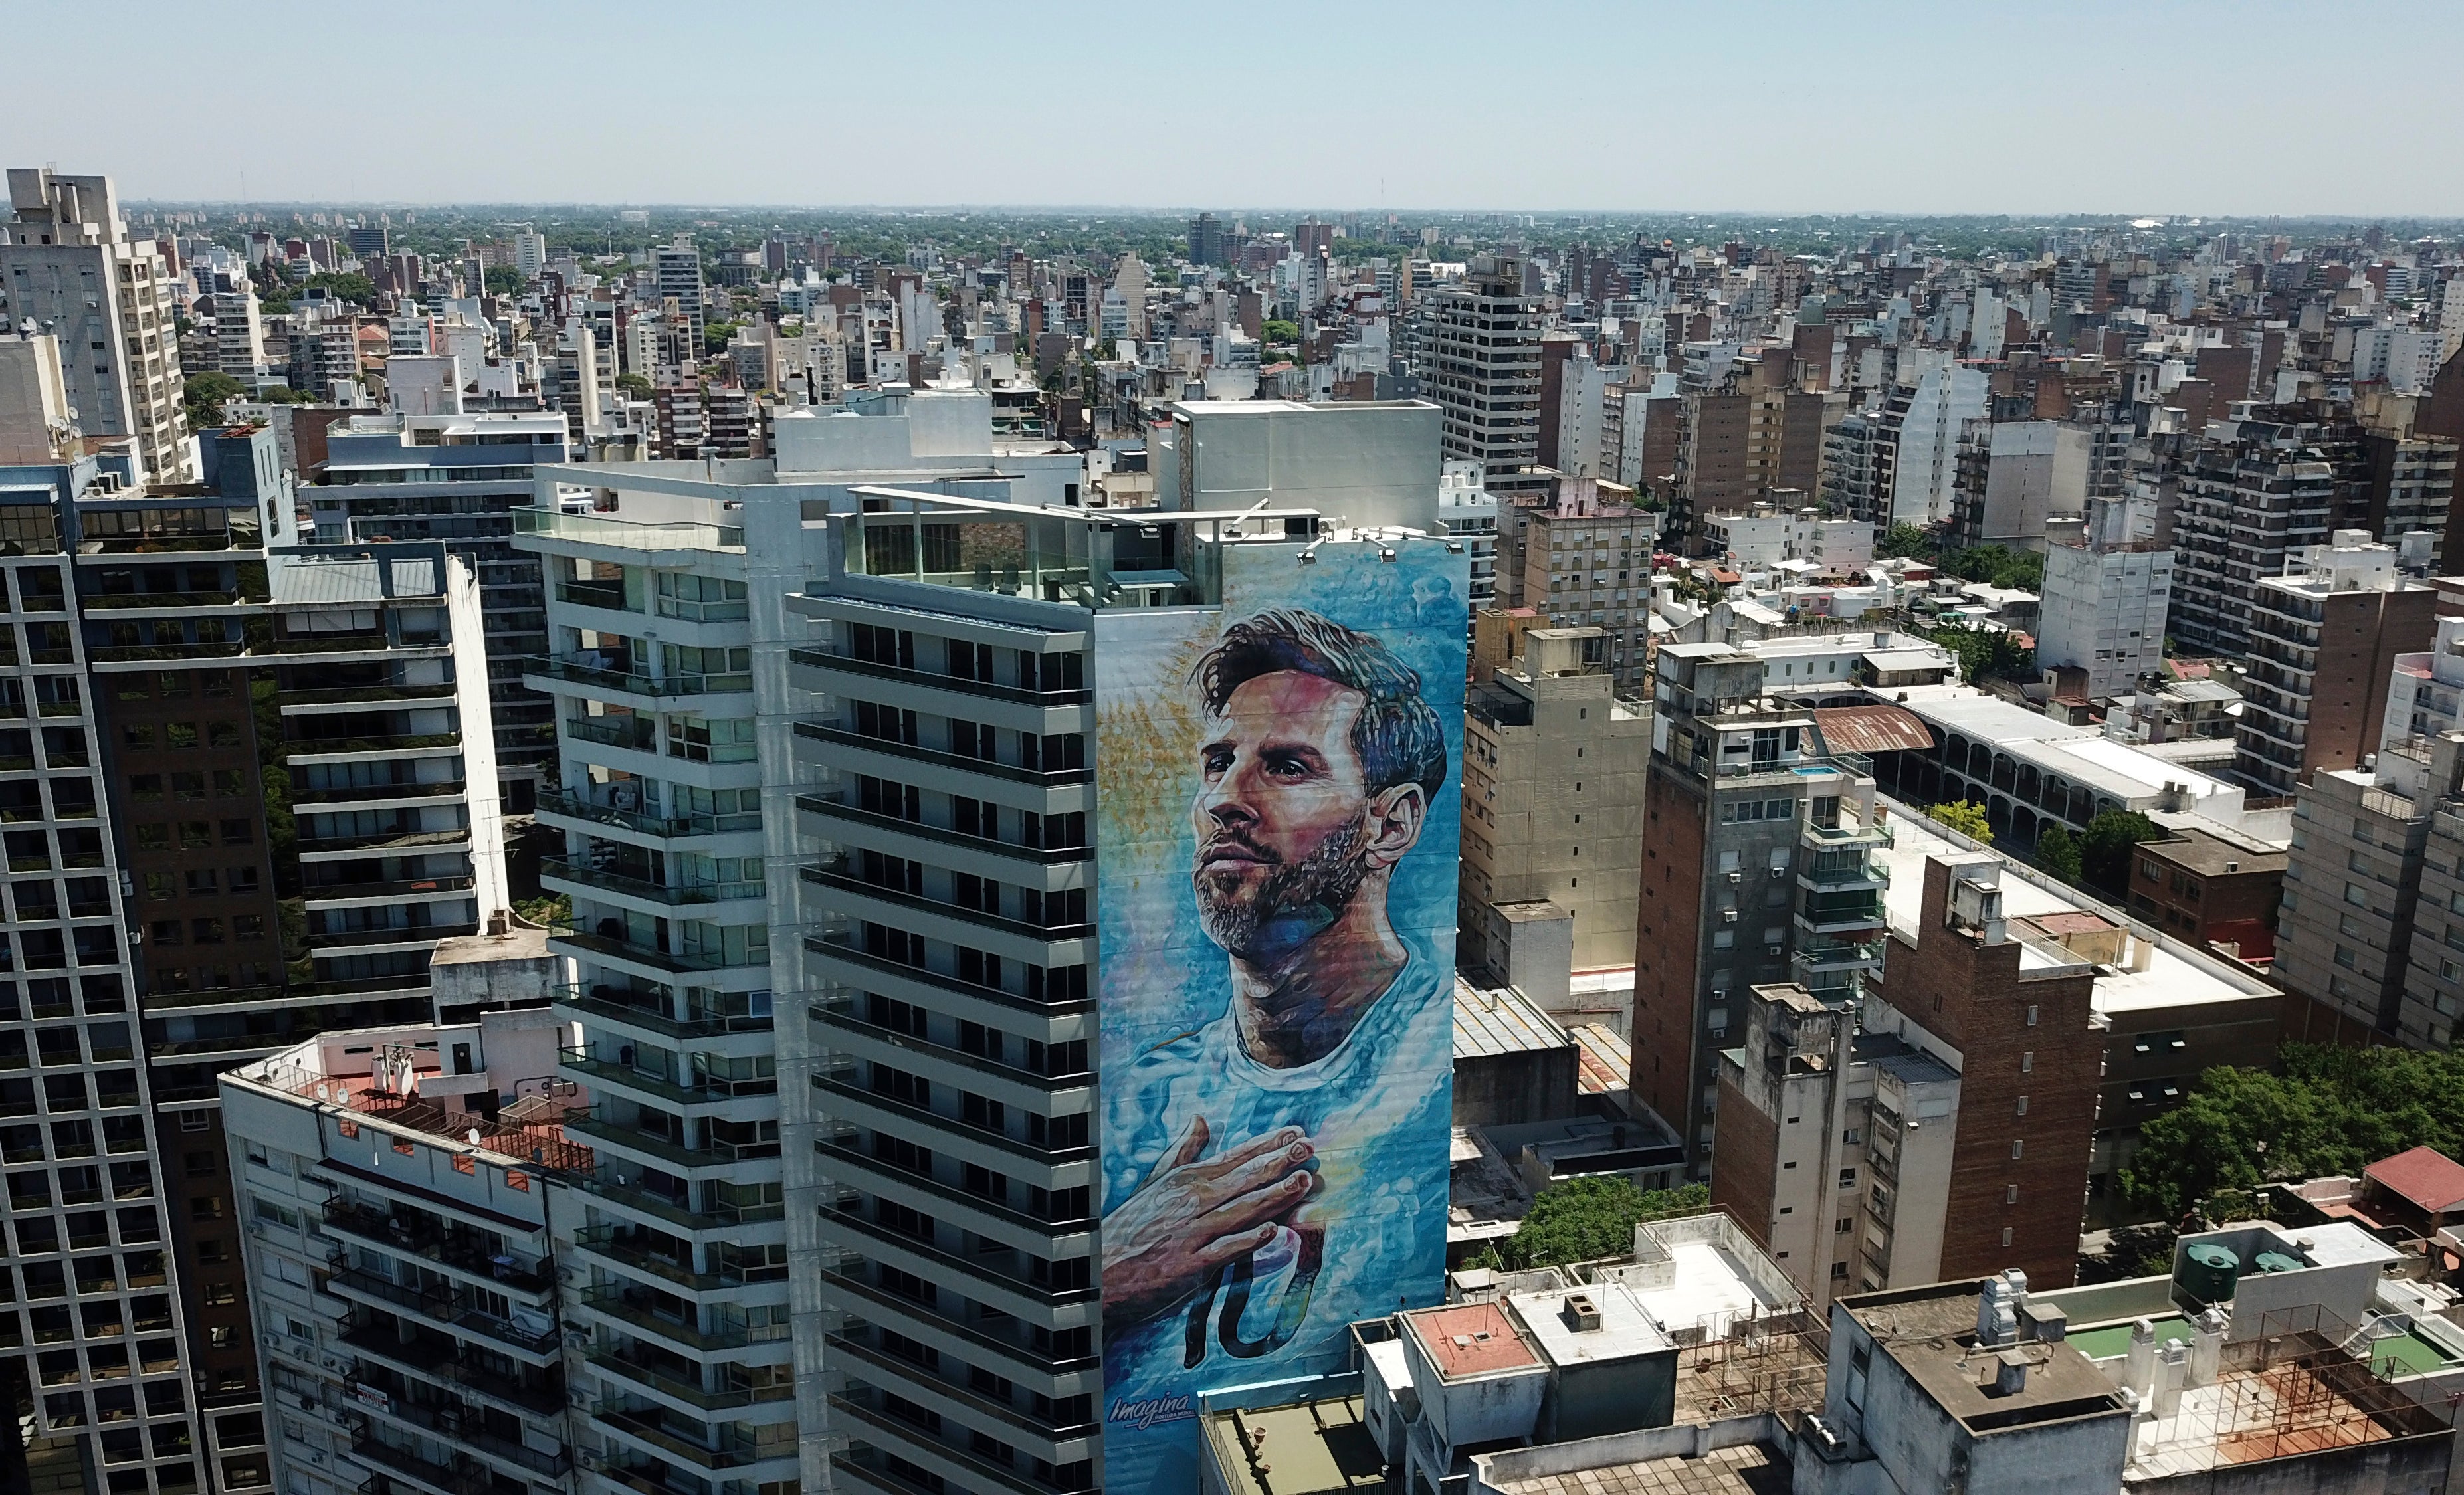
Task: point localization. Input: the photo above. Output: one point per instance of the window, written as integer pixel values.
(2019, 1147)
(1847, 1177)
(2010, 1195)
(2006, 1235)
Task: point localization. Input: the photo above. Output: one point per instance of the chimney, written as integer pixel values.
(2010, 1373)
(500, 924)
(1581, 1312)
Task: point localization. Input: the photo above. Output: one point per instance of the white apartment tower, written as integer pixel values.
(68, 267)
(2105, 597)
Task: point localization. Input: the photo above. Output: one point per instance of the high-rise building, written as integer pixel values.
(1756, 871)
(409, 1214)
(1923, 466)
(1485, 373)
(369, 242)
(68, 266)
(2255, 492)
(457, 480)
(2105, 596)
(1583, 551)
(675, 275)
(1553, 772)
(1206, 245)
(894, 692)
(2323, 641)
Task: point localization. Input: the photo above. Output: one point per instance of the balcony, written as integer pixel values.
(446, 1308)
(700, 1090)
(1016, 1295)
(714, 1154)
(643, 887)
(834, 874)
(624, 1183)
(608, 596)
(439, 691)
(834, 806)
(636, 734)
(396, 843)
(632, 1305)
(436, 1358)
(846, 664)
(1830, 914)
(590, 672)
(654, 1012)
(308, 799)
(577, 806)
(463, 1476)
(455, 1423)
(651, 1428)
(650, 1378)
(674, 961)
(825, 732)
(297, 748)
(842, 948)
(425, 1235)
(593, 529)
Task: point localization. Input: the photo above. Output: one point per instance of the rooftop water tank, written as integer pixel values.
(2208, 1273)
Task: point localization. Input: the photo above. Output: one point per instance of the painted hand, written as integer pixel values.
(1195, 1213)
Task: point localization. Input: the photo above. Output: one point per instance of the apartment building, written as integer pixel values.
(407, 1238)
(1756, 869)
(456, 479)
(2106, 597)
(1584, 551)
(2324, 638)
(676, 275)
(1995, 1073)
(102, 1347)
(70, 268)
(2254, 493)
(1469, 512)
(1554, 766)
(873, 664)
(1484, 374)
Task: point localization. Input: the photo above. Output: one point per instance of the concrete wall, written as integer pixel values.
(1494, 1474)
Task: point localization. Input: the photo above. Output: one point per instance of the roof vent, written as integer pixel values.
(1581, 1312)
(2009, 1374)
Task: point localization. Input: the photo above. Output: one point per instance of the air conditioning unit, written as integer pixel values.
(1728, 915)
(273, 1340)
(256, 1228)
(1779, 871)
(1736, 877)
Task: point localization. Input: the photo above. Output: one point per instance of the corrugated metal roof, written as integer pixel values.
(1604, 1061)
(1871, 729)
(1499, 1020)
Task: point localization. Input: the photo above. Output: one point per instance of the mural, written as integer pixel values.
(1278, 808)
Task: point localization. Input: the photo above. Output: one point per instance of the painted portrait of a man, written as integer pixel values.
(1263, 1167)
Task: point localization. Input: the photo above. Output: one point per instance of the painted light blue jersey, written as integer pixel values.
(1377, 1110)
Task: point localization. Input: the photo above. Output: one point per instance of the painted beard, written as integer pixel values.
(1291, 904)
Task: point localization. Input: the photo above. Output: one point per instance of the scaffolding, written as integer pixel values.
(2297, 1389)
(1736, 1365)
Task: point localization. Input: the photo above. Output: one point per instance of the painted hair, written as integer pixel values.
(1398, 735)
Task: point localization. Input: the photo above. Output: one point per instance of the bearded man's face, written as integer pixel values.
(1281, 821)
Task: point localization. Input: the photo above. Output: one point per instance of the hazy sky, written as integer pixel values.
(2145, 107)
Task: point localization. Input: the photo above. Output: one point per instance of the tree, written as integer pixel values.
(634, 385)
(2104, 850)
(503, 281)
(2057, 852)
(1903, 539)
(1987, 653)
(1584, 1219)
(203, 395)
(1278, 330)
(1965, 816)
(2328, 1110)
(346, 285)
(715, 337)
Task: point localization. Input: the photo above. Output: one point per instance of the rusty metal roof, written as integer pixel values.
(1871, 729)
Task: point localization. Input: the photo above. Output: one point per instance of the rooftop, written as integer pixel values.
(2423, 1177)
(1931, 1332)
(1746, 1469)
(1304, 1448)
(1499, 1019)
(2174, 976)
(2196, 850)
(1471, 1339)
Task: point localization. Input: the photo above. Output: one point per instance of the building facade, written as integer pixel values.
(68, 266)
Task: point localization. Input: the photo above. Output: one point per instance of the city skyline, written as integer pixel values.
(1819, 109)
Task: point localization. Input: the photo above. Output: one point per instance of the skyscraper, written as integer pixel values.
(68, 266)
(1207, 240)
(676, 274)
(1486, 374)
